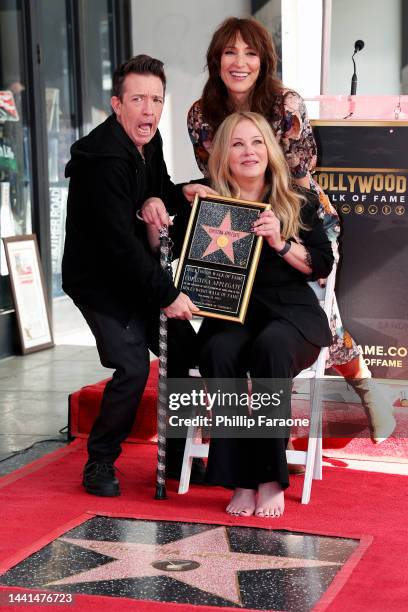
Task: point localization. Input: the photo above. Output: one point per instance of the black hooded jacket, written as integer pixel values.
(107, 264)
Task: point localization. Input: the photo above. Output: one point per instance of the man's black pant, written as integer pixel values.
(125, 348)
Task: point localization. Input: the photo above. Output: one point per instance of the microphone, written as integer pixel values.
(358, 45)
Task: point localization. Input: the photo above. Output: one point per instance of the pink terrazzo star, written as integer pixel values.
(216, 573)
(223, 237)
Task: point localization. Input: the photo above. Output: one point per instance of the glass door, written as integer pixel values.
(74, 82)
(15, 171)
(62, 120)
(97, 60)
(56, 62)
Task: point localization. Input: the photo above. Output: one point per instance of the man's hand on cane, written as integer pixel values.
(154, 212)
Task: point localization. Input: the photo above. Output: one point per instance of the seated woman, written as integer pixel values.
(285, 326)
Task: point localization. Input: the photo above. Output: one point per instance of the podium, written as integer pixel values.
(362, 166)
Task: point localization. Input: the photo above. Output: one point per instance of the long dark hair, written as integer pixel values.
(214, 100)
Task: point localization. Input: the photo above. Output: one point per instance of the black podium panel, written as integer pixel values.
(363, 167)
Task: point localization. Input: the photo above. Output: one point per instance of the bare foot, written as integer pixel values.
(242, 503)
(271, 500)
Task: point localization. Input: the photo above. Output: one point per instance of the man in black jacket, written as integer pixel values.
(108, 269)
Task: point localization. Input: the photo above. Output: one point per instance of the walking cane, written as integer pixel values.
(165, 262)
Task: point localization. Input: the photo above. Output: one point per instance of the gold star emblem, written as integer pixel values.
(223, 237)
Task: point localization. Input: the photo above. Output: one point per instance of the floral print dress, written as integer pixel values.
(293, 131)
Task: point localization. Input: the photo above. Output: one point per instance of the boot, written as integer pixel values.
(378, 409)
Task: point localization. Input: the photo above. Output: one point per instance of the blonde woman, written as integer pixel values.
(285, 326)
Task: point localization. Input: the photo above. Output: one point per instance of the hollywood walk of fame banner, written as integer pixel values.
(363, 168)
(219, 256)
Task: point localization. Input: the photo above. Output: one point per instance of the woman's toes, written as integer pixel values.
(245, 512)
(242, 503)
(271, 501)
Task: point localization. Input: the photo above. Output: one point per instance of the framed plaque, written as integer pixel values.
(220, 255)
(30, 300)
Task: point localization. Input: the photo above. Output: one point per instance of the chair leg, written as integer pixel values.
(318, 472)
(185, 475)
(314, 447)
(318, 408)
(310, 460)
(187, 460)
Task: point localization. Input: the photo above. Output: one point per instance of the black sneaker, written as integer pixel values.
(100, 479)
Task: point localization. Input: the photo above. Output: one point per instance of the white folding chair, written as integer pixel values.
(310, 458)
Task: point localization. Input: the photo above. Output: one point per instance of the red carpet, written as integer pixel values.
(348, 434)
(42, 500)
(352, 443)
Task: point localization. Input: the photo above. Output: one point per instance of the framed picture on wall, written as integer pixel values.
(27, 284)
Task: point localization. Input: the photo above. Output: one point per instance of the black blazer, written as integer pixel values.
(285, 292)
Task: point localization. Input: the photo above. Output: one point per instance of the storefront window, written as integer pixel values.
(15, 174)
(68, 48)
(97, 63)
(61, 121)
(95, 73)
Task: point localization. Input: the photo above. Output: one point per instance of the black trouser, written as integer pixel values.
(125, 348)
(267, 349)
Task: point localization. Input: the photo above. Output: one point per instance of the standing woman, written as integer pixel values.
(285, 327)
(241, 61)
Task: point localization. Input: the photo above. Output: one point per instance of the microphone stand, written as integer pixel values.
(353, 90)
